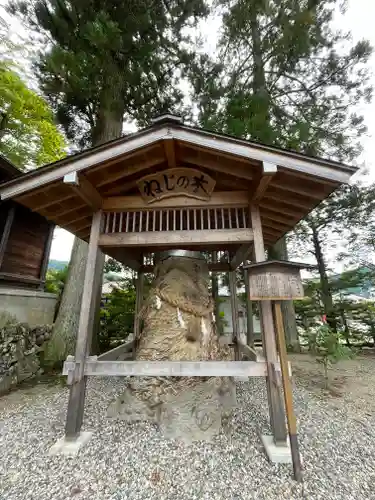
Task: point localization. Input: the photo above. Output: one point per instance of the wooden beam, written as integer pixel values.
(94, 367)
(296, 188)
(242, 253)
(218, 199)
(118, 353)
(46, 252)
(277, 416)
(236, 169)
(269, 171)
(170, 152)
(49, 203)
(288, 199)
(77, 391)
(6, 232)
(128, 171)
(127, 257)
(84, 189)
(62, 213)
(175, 238)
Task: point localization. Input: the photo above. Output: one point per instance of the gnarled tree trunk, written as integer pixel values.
(178, 325)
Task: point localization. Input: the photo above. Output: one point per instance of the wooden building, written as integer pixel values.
(25, 242)
(175, 186)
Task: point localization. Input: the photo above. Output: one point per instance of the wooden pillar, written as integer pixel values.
(276, 409)
(6, 232)
(46, 252)
(234, 309)
(78, 387)
(215, 289)
(249, 312)
(138, 304)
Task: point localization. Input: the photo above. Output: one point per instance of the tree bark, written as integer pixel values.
(108, 126)
(64, 333)
(280, 252)
(326, 292)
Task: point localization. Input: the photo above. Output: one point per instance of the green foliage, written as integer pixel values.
(55, 280)
(117, 315)
(326, 345)
(28, 135)
(113, 266)
(108, 60)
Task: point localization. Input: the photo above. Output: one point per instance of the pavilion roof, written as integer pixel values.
(286, 185)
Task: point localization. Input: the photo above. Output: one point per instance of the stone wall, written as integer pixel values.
(33, 307)
(21, 346)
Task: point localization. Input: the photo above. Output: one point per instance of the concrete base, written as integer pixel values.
(277, 454)
(70, 447)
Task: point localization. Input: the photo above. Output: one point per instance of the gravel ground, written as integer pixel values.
(123, 461)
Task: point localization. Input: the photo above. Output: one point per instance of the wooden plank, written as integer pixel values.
(118, 353)
(170, 153)
(6, 232)
(173, 238)
(218, 200)
(84, 189)
(277, 418)
(77, 390)
(127, 172)
(296, 187)
(288, 394)
(21, 278)
(168, 368)
(46, 253)
(234, 169)
(269, 171)
(241, 255)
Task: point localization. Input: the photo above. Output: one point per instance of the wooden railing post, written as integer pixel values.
(276, 409)
(77, 390)
(249, 312)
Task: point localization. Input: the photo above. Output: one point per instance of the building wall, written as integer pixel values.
(24, 251)
(33, 307)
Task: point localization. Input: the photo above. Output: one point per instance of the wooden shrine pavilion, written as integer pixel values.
(175, 186)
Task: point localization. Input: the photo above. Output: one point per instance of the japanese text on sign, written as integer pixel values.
(176, 182)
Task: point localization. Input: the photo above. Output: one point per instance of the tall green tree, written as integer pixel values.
(29, 136)
(283, 76)
(106, 62)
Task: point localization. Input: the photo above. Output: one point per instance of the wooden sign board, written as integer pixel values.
(176, 182)
(275, 280)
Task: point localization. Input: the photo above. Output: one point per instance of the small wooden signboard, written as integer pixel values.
(275, 280)
(176, 182)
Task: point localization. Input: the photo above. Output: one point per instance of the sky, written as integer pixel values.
(358, 19)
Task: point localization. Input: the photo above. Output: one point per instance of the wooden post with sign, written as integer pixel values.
(277, 415)
(278, 281)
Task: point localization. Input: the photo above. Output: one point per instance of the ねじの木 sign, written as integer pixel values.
(176, 182)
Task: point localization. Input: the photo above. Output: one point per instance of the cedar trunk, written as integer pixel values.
(326, 293)
(64, 334)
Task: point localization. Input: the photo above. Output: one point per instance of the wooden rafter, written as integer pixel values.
(170, 152)
(268, 172)
(237, 169)
(297, 189)
(241, 255)
(131, 170)
(84, 189)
